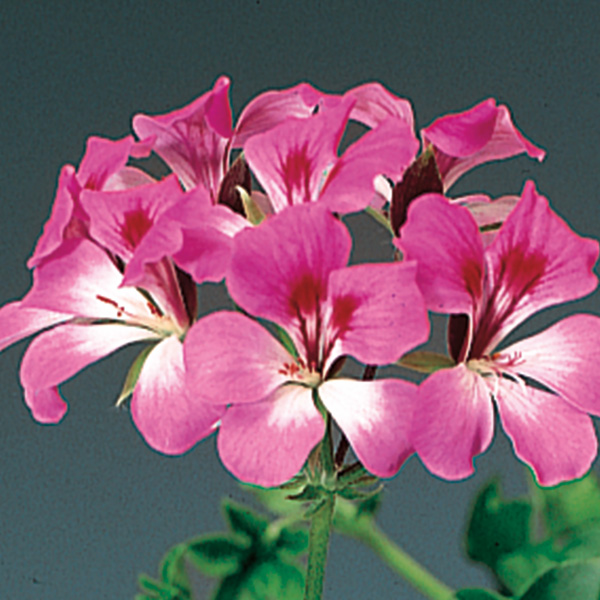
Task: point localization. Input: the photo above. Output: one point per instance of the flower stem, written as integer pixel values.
(318, 543)
(365, 529)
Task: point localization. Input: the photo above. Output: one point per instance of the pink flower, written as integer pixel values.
(291, 270)
(543, 385)
(196, 141)
(103, 167)
(297, 162)
(453, 145)
(465, 140)
(85, 290)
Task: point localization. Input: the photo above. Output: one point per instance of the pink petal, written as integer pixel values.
(290, 160)
(375, 104)
(377, 312)
(127, 177)
(281, 268)
(376, 418)
(197, 236)
(56, 355)
(46, 405)
(555, 439)
(120, 220)
(386, 150)
(66, 214)
(18, 322)
(105, 158)
(167, 414)
(82, 281)
(564, 358)
(231, 358)
(274, 107)
(453, 422)
(445, 242)
(193, 140)
(266, 443)
(481, 134)
(536, 261)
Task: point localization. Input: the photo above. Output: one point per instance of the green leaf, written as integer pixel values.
(230, 588)
(478, 594)
(133, 374)
(582, 542)
(518, 570)
(172, 568)
(243, 520)
(497, 526)
(424, 361)
(294, 541)
(569, 581)
(570, 505)
(217, 555)
(275, 580)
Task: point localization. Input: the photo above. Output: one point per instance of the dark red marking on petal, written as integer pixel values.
(517, 275)
(135, 226)
(296, 170)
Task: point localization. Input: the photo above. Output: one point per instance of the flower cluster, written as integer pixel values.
(259, 203)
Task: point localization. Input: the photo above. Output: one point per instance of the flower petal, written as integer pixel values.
(56, 355)
(104, 159)
(81, 280)
(377, 312)
(46, 405)
(231, 358)
(266, 443)
(481, 134)
(281, 268)
(375, 104)
(290, 160)
(453, 422)
(555, 439)
(119, 220)
(18, 322)
(535, 261)
(193, 140)
(445, 242)
(564, 358)
(65, 221)
(271, 108)
(376, 417)
(167, 414)
(385, 150)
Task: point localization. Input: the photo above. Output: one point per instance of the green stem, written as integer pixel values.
(365, 530)
(318, 543)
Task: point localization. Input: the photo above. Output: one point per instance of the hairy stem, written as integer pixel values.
(318, 544)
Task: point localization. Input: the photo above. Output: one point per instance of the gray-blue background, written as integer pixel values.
(85, 506)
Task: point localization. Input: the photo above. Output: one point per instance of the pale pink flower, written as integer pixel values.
(291, 270)
(534, 262)
(85, 290)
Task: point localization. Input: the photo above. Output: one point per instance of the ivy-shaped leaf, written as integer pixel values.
(570, 505)
(243, 520)
(217, 555)
(568, 581)
(497, 527)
